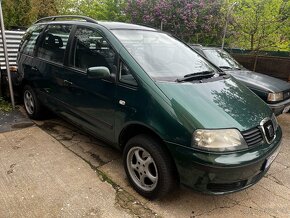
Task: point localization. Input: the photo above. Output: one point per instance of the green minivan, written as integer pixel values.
(176, 118)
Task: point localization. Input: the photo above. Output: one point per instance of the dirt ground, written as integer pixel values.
(52, 169)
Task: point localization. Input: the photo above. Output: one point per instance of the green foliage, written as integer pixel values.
(17, 13)
(5, 106)
(100, 10)
(44, 8)
(253, 24)
(261, 25)
(23, 13)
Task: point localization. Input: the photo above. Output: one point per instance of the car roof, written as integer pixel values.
(205, 47)
(121, 25)
(107, 24)
(210, 48)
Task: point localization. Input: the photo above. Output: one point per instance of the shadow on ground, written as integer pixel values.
(268, 198)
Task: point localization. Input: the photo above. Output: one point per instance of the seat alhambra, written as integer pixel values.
(175, 117)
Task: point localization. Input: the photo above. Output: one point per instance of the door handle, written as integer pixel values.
(67, 83)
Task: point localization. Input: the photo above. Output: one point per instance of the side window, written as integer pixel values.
(93, 50)
(53, 46)
(30, 38)
(125, 75)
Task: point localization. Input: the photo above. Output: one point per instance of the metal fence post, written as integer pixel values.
(6, 55)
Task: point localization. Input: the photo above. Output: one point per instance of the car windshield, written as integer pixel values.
(222, 59)
(162, 56)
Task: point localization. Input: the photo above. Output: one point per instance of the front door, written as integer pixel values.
(91, 100)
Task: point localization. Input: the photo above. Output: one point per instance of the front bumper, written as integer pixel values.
(221, 173)
(278, 108)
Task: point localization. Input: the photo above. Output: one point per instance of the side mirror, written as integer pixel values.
(98, 72)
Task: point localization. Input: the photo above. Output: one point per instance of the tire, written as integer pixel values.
(32, 105)
(149, 168)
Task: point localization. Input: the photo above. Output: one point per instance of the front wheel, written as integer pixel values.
(148, 167)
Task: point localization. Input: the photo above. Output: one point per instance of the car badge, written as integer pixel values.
(270, 130)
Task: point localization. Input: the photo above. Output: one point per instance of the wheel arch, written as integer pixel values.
(134, 129)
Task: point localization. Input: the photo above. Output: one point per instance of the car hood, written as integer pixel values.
(217, 104)
(260, 81)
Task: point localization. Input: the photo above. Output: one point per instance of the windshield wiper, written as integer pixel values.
(195, 76)
(229, 68)
(225, 67)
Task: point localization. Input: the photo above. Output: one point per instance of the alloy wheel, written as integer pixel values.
(29, 102)
(142, 168)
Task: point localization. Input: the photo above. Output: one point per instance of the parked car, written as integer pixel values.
(275, 92)
(175, 116)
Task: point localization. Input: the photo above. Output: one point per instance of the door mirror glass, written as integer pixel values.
(98, 72)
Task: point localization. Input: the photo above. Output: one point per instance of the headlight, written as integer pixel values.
(275, 96)
(219, 140)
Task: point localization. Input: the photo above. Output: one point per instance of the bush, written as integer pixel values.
(5, 106)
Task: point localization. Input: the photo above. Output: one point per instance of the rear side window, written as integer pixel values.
(30, 38)
(93, 50)
(53, 45)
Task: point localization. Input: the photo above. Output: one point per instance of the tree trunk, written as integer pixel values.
(252, 41)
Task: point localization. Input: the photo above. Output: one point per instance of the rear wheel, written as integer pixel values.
(32, 105)
(148, 167)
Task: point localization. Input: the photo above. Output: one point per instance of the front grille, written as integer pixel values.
(253, 136)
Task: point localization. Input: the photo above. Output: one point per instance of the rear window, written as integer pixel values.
(53, 45)
(30, 39)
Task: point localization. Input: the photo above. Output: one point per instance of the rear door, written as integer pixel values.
(50, 57)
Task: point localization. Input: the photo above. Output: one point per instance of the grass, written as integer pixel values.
(5, 106)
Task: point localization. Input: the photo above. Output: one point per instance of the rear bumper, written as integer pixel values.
(279, 107)
(222, 173)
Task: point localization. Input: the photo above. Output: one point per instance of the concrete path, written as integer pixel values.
(57, 170)
(41, 178)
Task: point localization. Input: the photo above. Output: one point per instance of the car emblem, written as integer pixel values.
(270, 130)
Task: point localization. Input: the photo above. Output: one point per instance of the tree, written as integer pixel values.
(191, 20)
(44, 8)
(261, 24)
(68, 7)
(101, 10)
(17, 13)
(23, 13)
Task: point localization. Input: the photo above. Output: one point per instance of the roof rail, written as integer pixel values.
(53, 18)
(196, 45)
